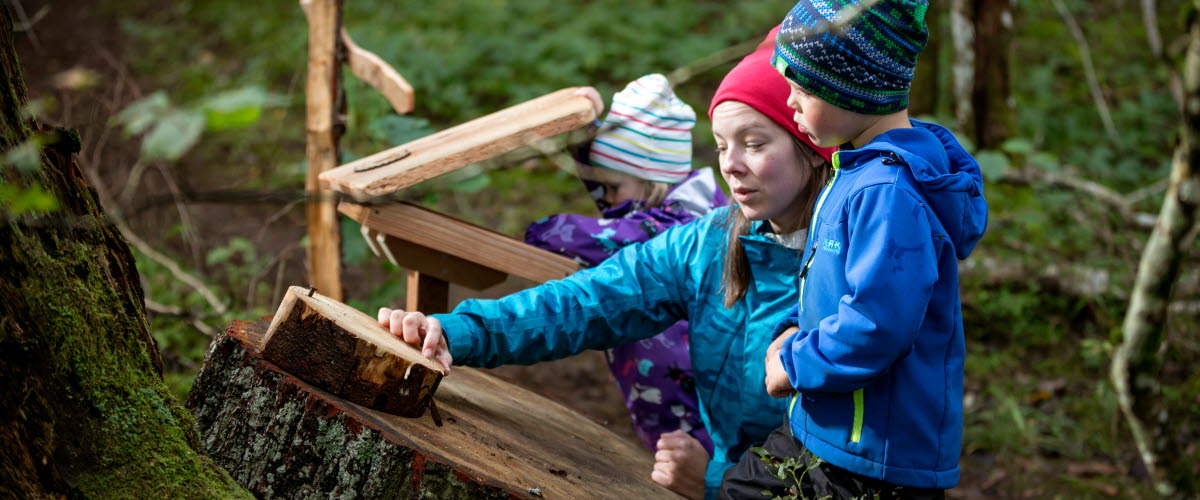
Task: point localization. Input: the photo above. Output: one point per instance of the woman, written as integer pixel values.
(731, 274)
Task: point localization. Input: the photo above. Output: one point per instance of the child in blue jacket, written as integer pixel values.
(872, 356)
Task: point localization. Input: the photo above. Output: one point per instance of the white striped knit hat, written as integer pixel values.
(647, 133)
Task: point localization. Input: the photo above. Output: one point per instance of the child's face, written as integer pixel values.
(762, 165)
(827, 125)
(618, 187)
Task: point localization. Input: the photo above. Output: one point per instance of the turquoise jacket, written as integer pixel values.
(878, 360)
(640, 291)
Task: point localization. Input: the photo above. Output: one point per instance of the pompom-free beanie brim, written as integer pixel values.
(866, 65)
(647, 133)
(753, 83)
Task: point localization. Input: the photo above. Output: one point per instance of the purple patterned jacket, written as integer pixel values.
(655, 374)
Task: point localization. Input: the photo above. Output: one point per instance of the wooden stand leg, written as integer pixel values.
(427, 294)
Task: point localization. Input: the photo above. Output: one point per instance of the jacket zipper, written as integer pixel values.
(856, 431)
(812, 228)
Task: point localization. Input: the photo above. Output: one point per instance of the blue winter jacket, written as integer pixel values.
(638, 292)
(878, 360)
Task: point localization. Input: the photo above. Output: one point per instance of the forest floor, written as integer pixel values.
(74, 38)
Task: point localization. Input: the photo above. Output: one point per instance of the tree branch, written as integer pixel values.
(1033, 176)
(1136, 362)
(1089, 71)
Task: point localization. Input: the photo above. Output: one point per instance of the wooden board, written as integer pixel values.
(283, 438)
(431, 262)
(462, 239)
(371, 69)
(344, 351)
(451, 149)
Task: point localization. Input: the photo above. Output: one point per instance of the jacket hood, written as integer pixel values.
(948, 176)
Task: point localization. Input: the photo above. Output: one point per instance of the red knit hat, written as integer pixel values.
(755, 83)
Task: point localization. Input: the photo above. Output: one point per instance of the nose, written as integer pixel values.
(610, 196)
(793, 101)
(731, 163)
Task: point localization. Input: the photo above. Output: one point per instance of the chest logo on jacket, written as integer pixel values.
(832, 246)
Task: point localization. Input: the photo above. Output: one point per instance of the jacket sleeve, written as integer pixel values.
(792, 319)
(891, 266)
(635, 294)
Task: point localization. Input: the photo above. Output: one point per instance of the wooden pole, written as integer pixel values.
(427, 293)
(324, 79)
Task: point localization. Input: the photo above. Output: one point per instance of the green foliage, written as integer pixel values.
(790, 470)
(171, 131)
(17, 200)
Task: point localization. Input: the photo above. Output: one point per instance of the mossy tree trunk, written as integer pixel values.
(83, 407)
(1138, 360)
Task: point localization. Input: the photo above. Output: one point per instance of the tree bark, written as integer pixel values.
(982, 35)
(992, 89)
(283, 438)
(84, 411)
(962, 65)
(1137, 362)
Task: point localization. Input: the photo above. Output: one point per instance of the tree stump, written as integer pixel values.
(281, 437)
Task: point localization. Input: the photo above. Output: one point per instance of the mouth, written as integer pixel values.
(741, 194)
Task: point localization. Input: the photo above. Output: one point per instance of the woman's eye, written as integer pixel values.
(753, 145)
(721, 149)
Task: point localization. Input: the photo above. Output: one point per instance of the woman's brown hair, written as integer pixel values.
(736, 276)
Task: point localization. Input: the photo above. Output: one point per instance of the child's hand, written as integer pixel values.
(776, 380)
(592, 94)
(418, 330)
(680, 463)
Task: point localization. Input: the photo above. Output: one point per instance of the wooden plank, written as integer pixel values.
(343, 351)
(426, 293)
(451, 149)
(321, 144)
(372, 69)
(437, 264)
(283, 438)
(463, 240)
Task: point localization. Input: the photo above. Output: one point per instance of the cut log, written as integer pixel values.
(284, 438)
(339, 349)
(451, 149)
(461, 239)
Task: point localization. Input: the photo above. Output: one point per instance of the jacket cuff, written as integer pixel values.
(459, 331)
(712, 478)
(792, 319)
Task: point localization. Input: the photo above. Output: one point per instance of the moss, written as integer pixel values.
(114, 425)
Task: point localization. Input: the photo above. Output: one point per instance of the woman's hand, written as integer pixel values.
(777, 381)
(680, 463)
(418, 330)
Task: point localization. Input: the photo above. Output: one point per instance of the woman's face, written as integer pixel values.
(762, 165)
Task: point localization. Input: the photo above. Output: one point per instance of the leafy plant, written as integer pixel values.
(790, 470)
(170, 131)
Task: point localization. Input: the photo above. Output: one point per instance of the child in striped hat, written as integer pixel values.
(638, 169)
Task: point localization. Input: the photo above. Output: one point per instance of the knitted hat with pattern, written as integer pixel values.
(865, 65)
(754, 83)
(647, 133)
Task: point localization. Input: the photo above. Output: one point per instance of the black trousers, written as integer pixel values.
(753, 478)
